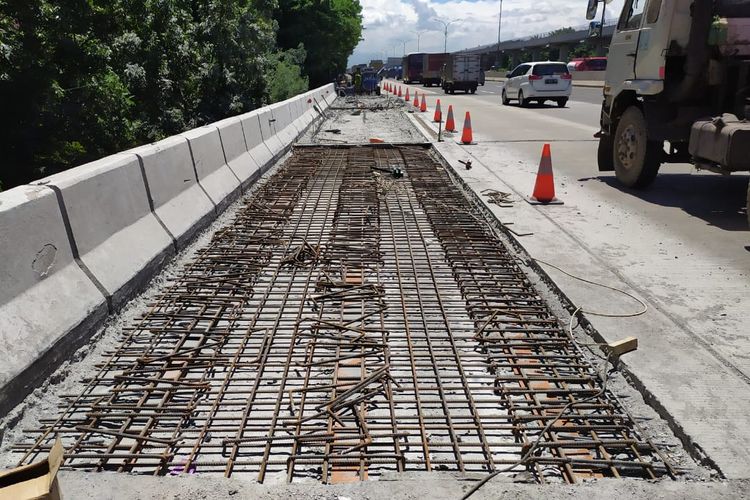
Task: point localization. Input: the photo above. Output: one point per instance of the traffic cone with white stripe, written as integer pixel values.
(467, 136)
(544, 187)
(416, 99)
(423, 106)
(438, 113)
(450, 123)
(399, 91)
(406, 97)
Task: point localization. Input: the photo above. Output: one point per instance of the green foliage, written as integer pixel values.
(328, 29)
(80, 79)
(285, 76)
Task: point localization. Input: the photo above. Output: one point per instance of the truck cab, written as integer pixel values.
(676, 88)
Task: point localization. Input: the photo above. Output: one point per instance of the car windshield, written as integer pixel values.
(550, 69)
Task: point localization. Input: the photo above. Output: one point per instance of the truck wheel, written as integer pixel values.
(605, 154)
(636, 159)
(505, 99)
(473, 90)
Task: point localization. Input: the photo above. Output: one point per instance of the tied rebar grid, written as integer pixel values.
(344, 325)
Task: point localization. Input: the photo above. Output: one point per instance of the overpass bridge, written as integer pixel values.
(563, 42)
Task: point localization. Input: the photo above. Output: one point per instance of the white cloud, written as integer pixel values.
(389, 22)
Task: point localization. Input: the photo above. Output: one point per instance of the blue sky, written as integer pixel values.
(389, 23)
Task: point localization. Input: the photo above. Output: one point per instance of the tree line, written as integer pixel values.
(81, 79)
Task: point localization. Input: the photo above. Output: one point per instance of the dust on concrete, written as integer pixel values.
(45, 401)
(412, 486)
(357, 120)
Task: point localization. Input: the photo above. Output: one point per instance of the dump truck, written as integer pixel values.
(432, 64)
(412, 66)
(677, 88)
(461, 72)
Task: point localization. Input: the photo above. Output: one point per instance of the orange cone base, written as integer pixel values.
(462, 143)
(533, 201)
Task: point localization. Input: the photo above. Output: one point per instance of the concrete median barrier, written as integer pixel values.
(236, 151)
(219, 181)
(117, 236)
(45, 296)
(258, 149)
(268, 133)
(179, 201)
(283, 127)
(79, 244)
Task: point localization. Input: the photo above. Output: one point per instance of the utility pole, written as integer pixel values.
(445, 32)
(419, 35)
(499, 25)
(499, 31)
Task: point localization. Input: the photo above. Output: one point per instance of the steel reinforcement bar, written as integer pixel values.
(348, 323)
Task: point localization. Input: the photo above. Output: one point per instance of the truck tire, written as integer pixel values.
(636, 159)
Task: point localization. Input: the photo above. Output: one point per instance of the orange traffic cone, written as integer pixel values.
(467, 136)
(438, 113)
(406, 97)
(423, 106)
(416, 99)
(386, 87)
(544, 187)
(399, 91)
(450, 124)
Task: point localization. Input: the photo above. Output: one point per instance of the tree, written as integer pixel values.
(80, 79)
(329, 30)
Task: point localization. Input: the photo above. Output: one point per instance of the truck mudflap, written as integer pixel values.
(723, 141)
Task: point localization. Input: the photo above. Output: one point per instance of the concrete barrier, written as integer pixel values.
(236, 151)
(283, 127)
(47, 302)
(81, 243)
(179, 201)
(219, 182)
(256, 147)
(268, 133)
(117, 237)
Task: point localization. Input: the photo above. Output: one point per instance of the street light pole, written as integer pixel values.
(419, 35)
(445, 25)
(499, 24)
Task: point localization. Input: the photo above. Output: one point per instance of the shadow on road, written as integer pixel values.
(719, 200)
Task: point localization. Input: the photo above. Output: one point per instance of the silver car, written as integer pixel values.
(539, 82)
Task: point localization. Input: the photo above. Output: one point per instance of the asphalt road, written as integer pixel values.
(683, 243)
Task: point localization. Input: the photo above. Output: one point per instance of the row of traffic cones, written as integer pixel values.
(544, 186)
(467, 135)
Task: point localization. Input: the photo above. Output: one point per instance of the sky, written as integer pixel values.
(388, 23)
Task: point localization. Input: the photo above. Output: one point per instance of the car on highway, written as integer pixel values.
(588, 64)
(538, 82)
